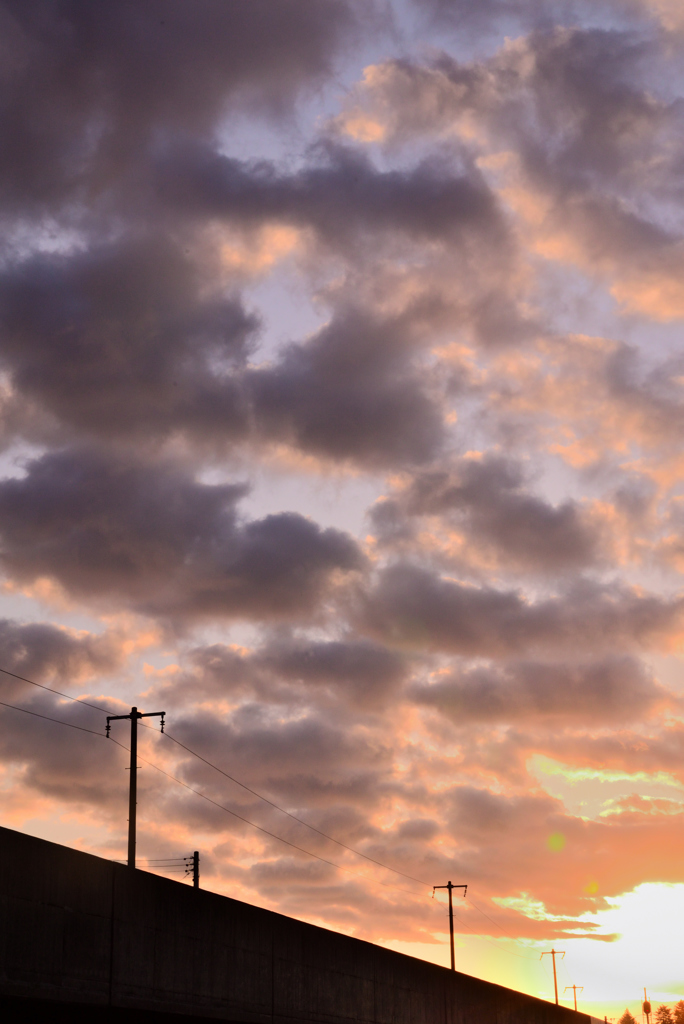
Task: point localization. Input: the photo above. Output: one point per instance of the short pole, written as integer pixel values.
(450, 887)
(553, 953)
(575, 989)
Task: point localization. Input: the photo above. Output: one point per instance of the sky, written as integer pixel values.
(341, 405)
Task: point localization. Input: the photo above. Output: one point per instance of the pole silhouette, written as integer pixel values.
(553, 953)
(133, 781)
(192, 868)
(575, 989)
(451, 887)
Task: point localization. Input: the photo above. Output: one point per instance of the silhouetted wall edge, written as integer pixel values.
(80, 931)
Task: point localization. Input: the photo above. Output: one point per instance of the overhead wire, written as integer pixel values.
(497, 925)
(59, 721)
(273, 835)
(51, 689)
(259, 796)
(203, 796)
(483, 938)
(294, 817)
(232, 778)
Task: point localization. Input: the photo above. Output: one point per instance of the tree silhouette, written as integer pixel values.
(678, 1012)
(663, 1014)
(627, 1018)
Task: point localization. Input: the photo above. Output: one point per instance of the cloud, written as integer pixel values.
(129, 341)
(349, 674)
(89, 90)
(359, 671)
(115, 530)
(340, 194)
(616, 689)
(574, 129)
(307, 761)
(43, 760)
(42, 652)
(351, 392)
(414, 608)
(124, 339)
(494, 18)
(486, 500)
(450, 285)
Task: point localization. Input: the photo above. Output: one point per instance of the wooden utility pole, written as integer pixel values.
(575, 989)
(451, 887)
(192, 868)
(133, 787)
(553, 953)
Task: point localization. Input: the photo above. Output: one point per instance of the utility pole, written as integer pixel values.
(192, 868)
(574, 989)
(553, 953)
(451, 887)
(133, 788)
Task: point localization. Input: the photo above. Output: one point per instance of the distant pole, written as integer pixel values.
(132, 786)
(451, 887)
(192, 868)
(553, 953)
(574, 990)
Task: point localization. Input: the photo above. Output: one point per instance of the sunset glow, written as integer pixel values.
(341, 407)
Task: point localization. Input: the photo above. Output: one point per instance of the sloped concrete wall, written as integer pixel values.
(79, 931)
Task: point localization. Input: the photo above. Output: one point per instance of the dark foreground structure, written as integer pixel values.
(85, 940)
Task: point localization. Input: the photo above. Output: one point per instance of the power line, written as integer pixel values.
(42, 686)
(232, 778)
(483, 938)
(163, 867)
(203, 796)
(47, 718)
(240, 816)
(496, 923)
(265, 799)
(273, 835)
(294, 817)
(164, 860)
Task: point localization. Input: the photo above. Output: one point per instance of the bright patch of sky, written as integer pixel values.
(592, 794)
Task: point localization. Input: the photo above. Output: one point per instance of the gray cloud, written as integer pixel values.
(341, 194)
(487, 498)
(120, 339)
(42, 652)
(308, 761)
(124, 340)
(415, 608)
(114, 530)
(366, 672)
(294, 671)
(493, 17)
(89, 88)
(63, 763)
(615, 689)
(584, 109)
(351, 392)
(127, 356)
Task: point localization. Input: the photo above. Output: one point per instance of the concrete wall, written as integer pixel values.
(76, 930)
